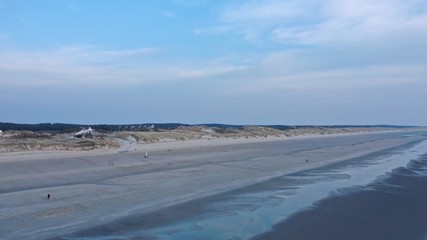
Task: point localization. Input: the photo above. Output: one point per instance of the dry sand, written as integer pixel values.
(91, 188)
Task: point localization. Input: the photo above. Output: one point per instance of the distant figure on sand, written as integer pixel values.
(306, 160)
(48, 196)
(146, 155)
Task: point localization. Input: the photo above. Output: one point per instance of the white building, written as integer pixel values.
(82, 133)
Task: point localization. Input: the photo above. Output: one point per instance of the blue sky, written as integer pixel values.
(222, 61)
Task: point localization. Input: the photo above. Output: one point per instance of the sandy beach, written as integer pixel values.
(88, 189)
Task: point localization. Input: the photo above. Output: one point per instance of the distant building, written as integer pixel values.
(83, 133)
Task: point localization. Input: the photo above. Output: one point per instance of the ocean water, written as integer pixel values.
(378, 196)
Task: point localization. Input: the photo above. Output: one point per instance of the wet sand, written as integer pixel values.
(393, 206)
(92, 190)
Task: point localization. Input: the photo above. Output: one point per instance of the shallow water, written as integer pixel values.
(289, 203)
(248, 214)
(393, 206)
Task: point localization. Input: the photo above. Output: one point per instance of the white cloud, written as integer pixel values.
(74, 65)
(83, 65)
(320, 21)
(208, 71)
(330, 45)
(130, 52)
(361, 83)
(271, 11)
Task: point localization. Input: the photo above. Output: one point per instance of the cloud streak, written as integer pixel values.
(322, 21)
(77, 66)
(338, 45)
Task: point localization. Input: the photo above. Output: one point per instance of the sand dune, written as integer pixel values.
(26, 141)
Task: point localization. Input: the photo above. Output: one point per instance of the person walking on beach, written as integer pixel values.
(48, 196)
(146, 155)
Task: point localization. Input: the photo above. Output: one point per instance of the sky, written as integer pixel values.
(290, 62)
